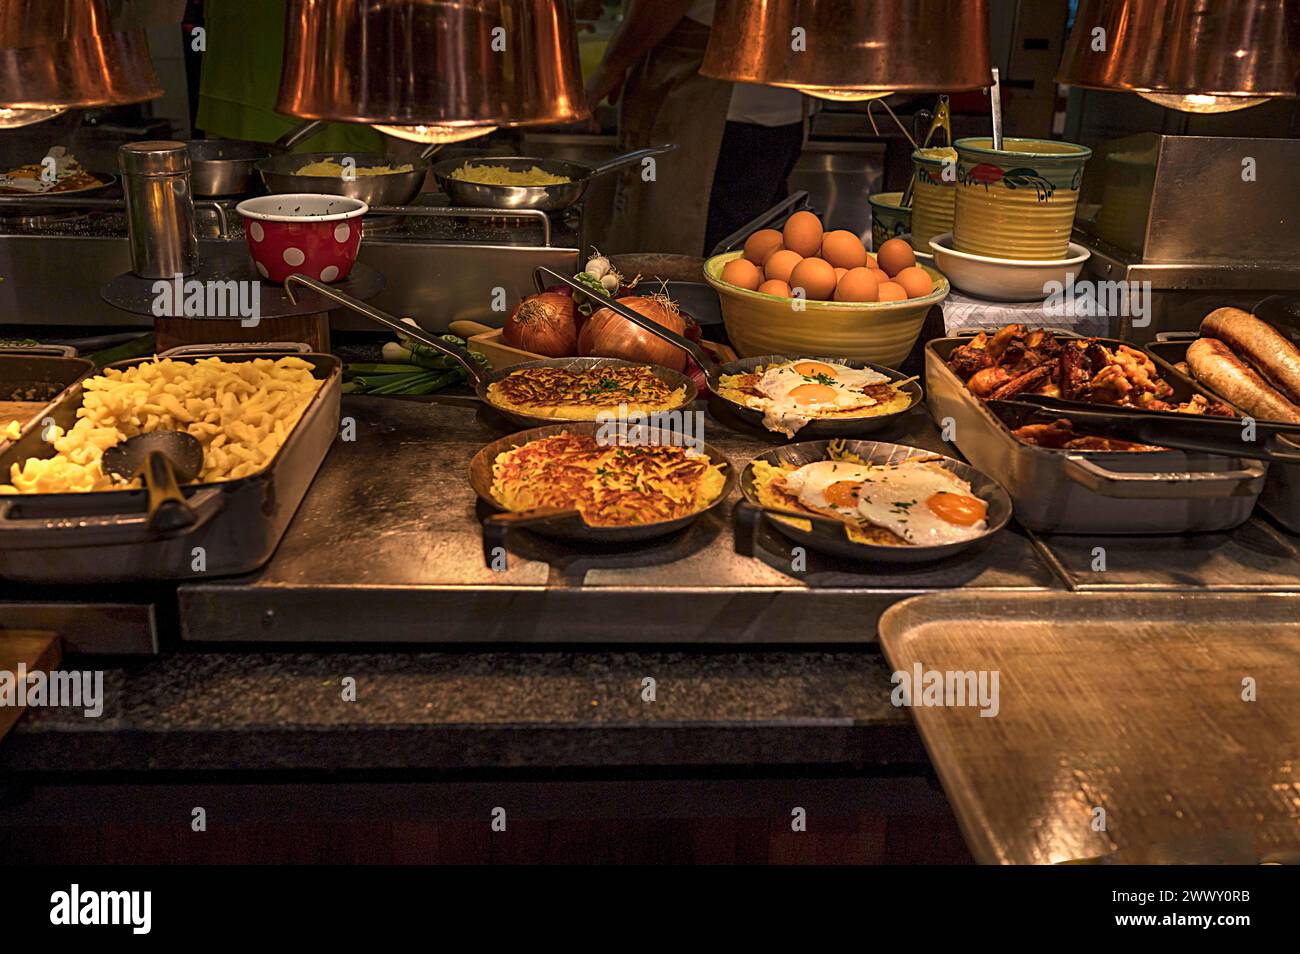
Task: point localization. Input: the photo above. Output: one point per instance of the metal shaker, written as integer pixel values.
(159, 208)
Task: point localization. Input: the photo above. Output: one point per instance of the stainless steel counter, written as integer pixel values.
(387, 548)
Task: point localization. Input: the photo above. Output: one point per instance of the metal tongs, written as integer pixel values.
(1229, 436)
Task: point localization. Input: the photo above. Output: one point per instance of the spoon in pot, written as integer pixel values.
(165, 459)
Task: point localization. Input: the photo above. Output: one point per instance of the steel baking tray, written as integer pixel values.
(1101, 492)
(1121, 699)
(32, 378)
(104, 536)
(1280, 497)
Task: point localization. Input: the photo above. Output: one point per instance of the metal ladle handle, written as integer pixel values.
(461, 355)
(641, 321)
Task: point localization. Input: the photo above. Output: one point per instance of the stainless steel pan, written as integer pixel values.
(550, 198)
(481, 380)
(730, 412)
(1093, 492)
(280, 175)
(827, 535)
(105, 536)
(568, 524)
(225, 166)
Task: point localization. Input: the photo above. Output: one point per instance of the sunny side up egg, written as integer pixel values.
(795, 393)
(924, 505)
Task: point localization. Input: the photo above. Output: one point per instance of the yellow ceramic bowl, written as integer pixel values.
(1018, 201)
(875, 331)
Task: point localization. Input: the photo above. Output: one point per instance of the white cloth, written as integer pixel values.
(750, 102)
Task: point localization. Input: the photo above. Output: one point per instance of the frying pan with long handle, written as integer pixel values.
(724, 408)
(280, 175)
(481, 380)
(549, 198)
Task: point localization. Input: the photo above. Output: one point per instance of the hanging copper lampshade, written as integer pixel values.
(432, 62)
(59, 56)
(1193, 55)
(847, 49)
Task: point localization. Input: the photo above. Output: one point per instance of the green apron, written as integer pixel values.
(241, 77)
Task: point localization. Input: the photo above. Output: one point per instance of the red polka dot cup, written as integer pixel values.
(303, 234)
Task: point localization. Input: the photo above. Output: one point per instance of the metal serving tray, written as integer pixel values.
(1101, 492)
(1281, 495)
(48, 369)
(104, 537)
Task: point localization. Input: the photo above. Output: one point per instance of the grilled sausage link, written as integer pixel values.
(1215, 365)
(1271, 354)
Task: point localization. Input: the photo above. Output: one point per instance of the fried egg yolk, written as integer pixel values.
(960, 509)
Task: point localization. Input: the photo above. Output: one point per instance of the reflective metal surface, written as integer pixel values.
(837, 47)
(1112, 699)
(56, 56)
(419, 568)
(159, 208)
(432, 62)
(1230, 48)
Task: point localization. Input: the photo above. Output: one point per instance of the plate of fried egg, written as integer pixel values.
(815, 396)
(870, 500)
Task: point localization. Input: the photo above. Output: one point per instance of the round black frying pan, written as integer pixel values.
(568, 524)
(481, 380)
(722, 406)
(827, 535)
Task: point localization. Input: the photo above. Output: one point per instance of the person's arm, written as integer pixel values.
(645, 24)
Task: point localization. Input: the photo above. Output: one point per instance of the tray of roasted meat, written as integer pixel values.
(1061, 478)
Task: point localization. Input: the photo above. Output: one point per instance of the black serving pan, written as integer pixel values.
(827, 535)
(725, 409)
(105, 537)
(568, 524)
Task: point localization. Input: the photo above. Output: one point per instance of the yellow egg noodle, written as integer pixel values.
(240, 411)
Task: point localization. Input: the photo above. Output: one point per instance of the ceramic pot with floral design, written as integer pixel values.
(889, 217)
(1018, 201)
(934, 196)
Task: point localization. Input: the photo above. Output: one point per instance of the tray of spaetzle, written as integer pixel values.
(265, 419)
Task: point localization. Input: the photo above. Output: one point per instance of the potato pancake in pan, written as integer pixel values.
(574, 394)
(611, 485)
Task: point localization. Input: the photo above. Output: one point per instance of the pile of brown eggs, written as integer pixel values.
(828, 266)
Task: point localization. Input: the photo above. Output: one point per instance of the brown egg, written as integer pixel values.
(816, 277)
(915, 281)
(892, 291)
(840, 273)
(780, 264)
(743, 273)
(895, 255)
(774, 286)
(803, 234)
(881, 276)
(761, 244)
(844, 250)
(858, 284)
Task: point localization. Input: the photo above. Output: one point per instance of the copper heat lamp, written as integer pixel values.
(1204, 56)
(451, 66)
(848, 49)
(59, 56)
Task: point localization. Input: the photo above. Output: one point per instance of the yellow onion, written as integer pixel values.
(546, 323)
(607, 334)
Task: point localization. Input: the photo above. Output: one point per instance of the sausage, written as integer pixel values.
(1215, 365)
(1271, 354)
